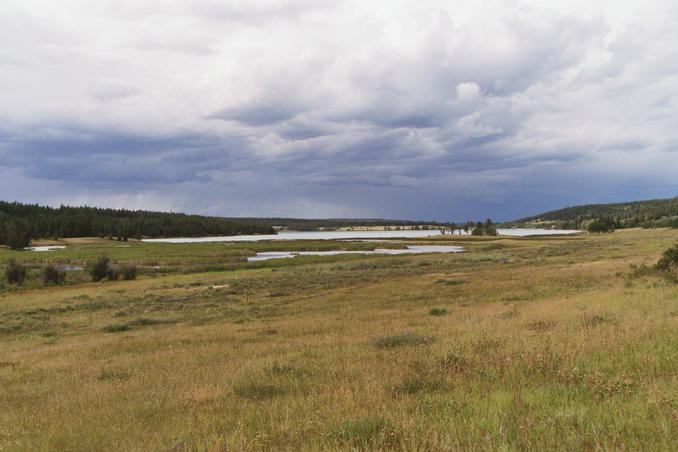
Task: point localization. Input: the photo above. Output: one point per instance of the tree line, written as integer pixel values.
(20, 223)
(303, 224)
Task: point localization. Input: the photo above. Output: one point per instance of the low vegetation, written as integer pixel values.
(99, 269)
(486, 228)
(15, 273)
(604, 224)
(668, 259)
(543, 343)
(51, 275)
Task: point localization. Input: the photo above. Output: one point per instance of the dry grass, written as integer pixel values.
(547, 344)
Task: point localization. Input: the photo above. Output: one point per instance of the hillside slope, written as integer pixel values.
(649, 213)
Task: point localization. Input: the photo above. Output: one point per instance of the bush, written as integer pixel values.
(115, 328)
(604, 224)
(128, 271)
(17, 237)
(670, 257)
(52, 275)
(98, 269)
(15, 273)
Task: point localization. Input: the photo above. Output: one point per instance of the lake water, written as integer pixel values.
(409, 250)
(47, 248)
(349, 235)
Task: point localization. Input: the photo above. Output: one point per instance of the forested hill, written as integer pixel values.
(20, 223)
(651, 213)
(302, 224)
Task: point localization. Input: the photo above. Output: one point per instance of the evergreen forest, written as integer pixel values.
(20, 223)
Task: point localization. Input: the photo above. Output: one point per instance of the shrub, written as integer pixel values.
(605, 224)
(15, 273)
(438, 311)
(128, 271)
(115, 328)
(670, 257)
(98, 269)
(52, 275)
(144, 321)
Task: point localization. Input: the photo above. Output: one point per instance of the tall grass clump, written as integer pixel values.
(369, 433)
(437, 311)
(259, 387)
(113, 273)
(115, 328)
(15, 272)
(398, 340)
(128, 271)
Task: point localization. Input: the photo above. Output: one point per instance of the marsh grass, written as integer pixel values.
(367, 433)
(260, 388)
(397, 340)
(545, 347)
(115, 328)
(143, 321)
(112, 375)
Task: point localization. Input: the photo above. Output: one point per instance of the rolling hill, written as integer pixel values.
(649, 213)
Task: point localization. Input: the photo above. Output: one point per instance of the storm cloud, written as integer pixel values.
(422, 110)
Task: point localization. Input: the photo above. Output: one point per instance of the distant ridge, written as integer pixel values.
(20, 223)
(649, 213)
(307, 224)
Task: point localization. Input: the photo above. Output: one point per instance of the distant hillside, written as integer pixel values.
(651, 213)
(19, 223)
(301, 224)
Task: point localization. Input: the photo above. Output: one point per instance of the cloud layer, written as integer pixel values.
(424, 110)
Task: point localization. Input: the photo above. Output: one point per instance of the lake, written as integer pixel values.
(46, 248)
(350, 235)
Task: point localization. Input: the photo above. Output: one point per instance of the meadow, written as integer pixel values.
(533, 343)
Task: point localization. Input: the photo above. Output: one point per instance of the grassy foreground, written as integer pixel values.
(521, 344)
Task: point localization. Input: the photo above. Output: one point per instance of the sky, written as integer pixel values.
(422, 110)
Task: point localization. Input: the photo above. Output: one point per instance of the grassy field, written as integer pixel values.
(548, 343)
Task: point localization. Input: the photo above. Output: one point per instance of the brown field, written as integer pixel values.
(551, 343)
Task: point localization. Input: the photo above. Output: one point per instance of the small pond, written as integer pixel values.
(409, 250)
